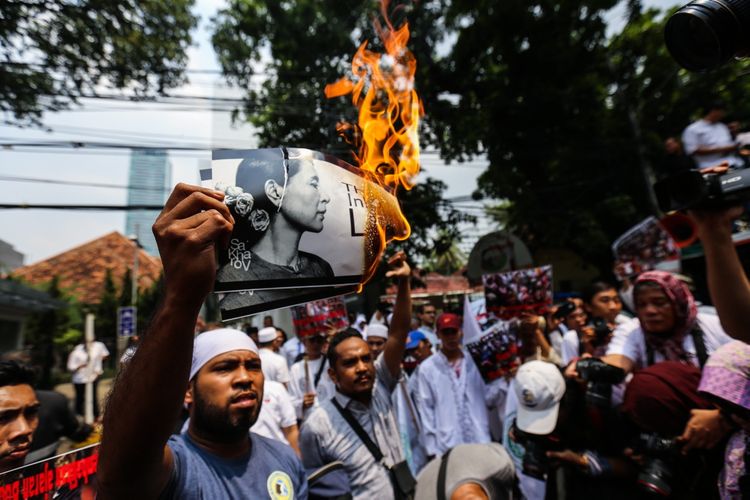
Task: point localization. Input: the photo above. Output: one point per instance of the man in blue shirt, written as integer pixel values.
(218, 457)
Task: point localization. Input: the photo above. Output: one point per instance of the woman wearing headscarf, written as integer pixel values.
(726, 381)
(668, 326)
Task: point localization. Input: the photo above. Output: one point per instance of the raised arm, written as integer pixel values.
(393, 352)
(146, 399)
(727, 282)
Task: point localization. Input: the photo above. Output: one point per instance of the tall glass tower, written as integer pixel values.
(148, 184)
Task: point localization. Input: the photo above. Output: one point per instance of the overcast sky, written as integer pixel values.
(42, 233)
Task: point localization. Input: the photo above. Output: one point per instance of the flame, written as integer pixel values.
(386, 134)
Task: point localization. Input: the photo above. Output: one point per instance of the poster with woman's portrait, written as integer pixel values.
(302, 219)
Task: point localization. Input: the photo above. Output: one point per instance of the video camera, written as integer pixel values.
(691, 189)
(657, 474)
(535, 461)
(600, 378)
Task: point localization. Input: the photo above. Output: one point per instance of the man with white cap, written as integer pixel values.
(532, 407)
(376, 335)
(218, 457)
(274, 365)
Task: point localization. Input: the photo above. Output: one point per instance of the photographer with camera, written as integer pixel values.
(557, 443)
(660, 401)
(670, 328)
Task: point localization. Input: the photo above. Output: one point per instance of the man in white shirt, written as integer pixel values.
(292, 350)
(86, 364)
(274, 365)
(708, 140)
(451, 394)
(277, 419)
(426, 316)
(310, 383)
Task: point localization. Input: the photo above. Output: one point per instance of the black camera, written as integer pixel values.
(600, 377)
(535, 447)
(657, 474)
(602, 331)
(692, 189)
(705, 34)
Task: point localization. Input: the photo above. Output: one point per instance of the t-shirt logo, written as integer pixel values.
(279, 486)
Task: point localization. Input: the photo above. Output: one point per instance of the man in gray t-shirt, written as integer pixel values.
(471, 471)
(217, 376)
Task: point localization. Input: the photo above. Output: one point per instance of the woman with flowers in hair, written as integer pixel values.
(274, 203)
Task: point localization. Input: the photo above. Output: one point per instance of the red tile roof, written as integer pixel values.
(82, 270)
(437, 284)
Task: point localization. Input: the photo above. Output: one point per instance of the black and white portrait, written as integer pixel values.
(299, 219)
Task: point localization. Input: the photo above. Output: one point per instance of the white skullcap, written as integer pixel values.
(377, 330)
(267, 334)
(212, 343)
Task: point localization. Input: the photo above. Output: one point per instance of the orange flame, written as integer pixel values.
(387, 131)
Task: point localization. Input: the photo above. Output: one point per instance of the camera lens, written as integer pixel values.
(705, 34)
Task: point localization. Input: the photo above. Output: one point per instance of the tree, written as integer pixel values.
(311, 44)
(55, 51)
(52, 333)
(105, 326)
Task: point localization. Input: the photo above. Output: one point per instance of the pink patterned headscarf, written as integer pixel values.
(686, 313)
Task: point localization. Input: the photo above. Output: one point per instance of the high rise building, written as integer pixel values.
(149, 182)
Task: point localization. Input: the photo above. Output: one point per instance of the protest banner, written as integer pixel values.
(496, 353)
(643, 247)
(235, 305)
(319, 315)
(512, 293)
(67, 476)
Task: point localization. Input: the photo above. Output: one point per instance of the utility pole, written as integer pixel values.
(88, 398)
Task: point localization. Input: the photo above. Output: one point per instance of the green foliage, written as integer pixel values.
(311, 44)
(52, 333)
(105, 326)
(55, 51)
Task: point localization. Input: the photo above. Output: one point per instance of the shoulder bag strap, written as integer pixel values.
(320, 371)
(700, 344)
(376, 453)
(442, 473)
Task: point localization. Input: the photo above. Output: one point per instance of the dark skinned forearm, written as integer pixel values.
(146, 400)
(400, 324)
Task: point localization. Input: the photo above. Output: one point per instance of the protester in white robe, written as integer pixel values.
(309, 382)
(451, 394)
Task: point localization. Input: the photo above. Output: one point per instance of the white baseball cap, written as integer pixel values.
(539, 387)
(267, 334)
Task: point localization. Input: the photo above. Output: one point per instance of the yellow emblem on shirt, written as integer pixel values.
(279, 486)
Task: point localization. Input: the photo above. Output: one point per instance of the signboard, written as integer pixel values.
(127, 321)
(70, 475)
(513, 293)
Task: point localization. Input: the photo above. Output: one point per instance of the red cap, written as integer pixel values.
(448, 320)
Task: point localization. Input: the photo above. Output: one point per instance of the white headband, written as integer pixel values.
(212, 343)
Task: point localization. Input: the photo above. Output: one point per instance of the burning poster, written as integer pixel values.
(302, 219)
(496, 352)
(511, 293)
(643, 247)
(67, 476)
(319, 315)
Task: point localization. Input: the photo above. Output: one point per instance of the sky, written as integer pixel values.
(40, 234)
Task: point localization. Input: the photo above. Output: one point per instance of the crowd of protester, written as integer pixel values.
(604, 402)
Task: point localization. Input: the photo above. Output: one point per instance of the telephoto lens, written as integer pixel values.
(705, 34)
